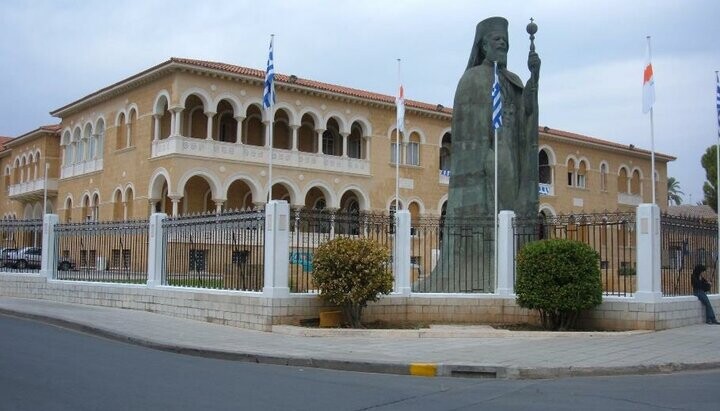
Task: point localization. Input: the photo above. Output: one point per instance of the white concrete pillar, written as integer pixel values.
(401, 254)
(209, 131)
(277, 249)
(155, 249)
(506, 268)
(239, 131)
(647, 234)
(344, 144)
(176, 123)
(156, 127)
(49, 253)
(294, 128)
(320, 132)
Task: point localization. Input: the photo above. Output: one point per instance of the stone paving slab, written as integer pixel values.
(462, 351)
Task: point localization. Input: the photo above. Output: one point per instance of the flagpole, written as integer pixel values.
(397, 148)
(271, 114)
(717, 168)
(495, 195)
(652, 136)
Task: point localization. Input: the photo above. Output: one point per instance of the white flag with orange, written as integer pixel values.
(648, 84)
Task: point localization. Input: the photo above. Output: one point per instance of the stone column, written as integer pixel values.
(175, 203)
(156, 128)
(295, 128)
(268, 136)
(239, 131)
(344, 144)
(647, 235)
(218, 205)
(176, 121)
(320, 132)
(209, 131)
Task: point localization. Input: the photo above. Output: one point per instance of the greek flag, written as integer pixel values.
(717, 97)
(496, 102)
(269, 93)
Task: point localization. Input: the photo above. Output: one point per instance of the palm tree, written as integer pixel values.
(673, 191)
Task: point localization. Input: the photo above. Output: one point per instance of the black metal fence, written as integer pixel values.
(20, 245)
(311, 228)
(218, 251)
(452, 255)
(612, 235)
(687, 242)
(110, 251)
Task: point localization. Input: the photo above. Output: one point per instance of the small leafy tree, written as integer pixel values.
(559, 278)
(351, 272)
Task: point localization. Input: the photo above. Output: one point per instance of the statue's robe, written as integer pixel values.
(466, 260)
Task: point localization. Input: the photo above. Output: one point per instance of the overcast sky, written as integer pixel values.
(593, 53)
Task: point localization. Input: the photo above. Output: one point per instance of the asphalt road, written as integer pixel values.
(44, 367)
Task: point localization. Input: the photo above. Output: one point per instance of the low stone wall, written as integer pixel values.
(254, 311)
(229, 308)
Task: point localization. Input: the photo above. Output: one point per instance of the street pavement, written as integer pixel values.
(464, 351)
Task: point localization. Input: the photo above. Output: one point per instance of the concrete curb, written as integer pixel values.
(442, 331)
(398, 368)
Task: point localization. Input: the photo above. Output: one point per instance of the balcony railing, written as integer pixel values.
(85, 167)
(31, 188)
(256, 154)
(629, 199)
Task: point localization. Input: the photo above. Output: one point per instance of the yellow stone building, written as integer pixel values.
(190, 136)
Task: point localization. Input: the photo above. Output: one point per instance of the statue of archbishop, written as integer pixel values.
(466, 260)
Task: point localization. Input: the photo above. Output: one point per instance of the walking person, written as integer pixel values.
(701, 286)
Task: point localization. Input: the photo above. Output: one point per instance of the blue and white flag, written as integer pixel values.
(496, 102)
(717, 97)
(269, 92)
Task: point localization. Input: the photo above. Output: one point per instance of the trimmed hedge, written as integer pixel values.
(559, 278)
(351, 272)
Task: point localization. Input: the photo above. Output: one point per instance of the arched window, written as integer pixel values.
(635, 188)
(582, 174)
(68, 210)
(445, 153)
(622, 181)
(571, 172)
(394, 154)
(100, 137)
(355, 142)
(331, 139)
(131, 127)
(412, 153)
(253, 127)
(545, 172)
(120, 132)
(603, 176)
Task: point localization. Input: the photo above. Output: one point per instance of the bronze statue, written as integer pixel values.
(469, 252)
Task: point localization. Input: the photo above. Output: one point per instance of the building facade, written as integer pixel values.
(190, 136)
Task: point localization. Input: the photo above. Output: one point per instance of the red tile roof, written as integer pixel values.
(4, 140)
(593, 140)
(692, 211)
(325, 87)
(294, 80)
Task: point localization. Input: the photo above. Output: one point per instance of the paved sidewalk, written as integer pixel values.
(444, 350)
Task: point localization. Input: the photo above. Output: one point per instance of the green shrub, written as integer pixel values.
(559, 278)
(351, 272)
